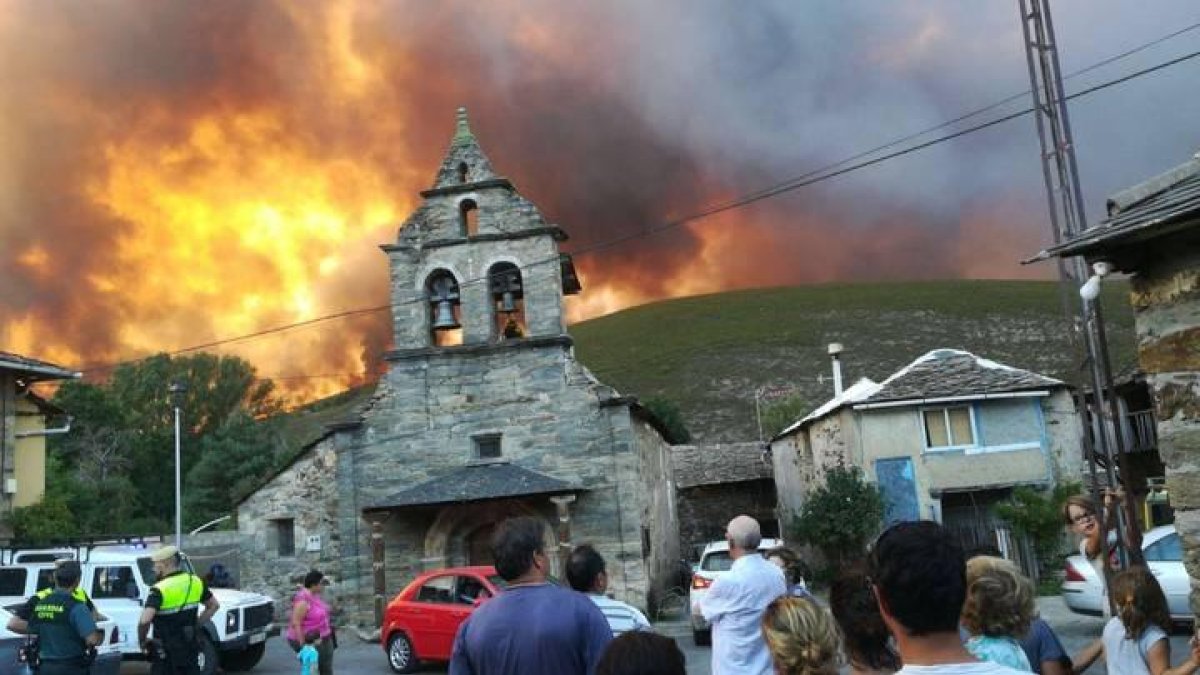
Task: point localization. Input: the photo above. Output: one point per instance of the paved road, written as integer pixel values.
(354, 656)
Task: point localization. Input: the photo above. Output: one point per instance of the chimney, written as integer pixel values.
(835, 350)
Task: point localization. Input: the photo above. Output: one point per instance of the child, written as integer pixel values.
(997, 612)
(1135, 640)
(308, 653)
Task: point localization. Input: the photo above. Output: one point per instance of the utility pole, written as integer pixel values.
(177, 390)
(1067, 219)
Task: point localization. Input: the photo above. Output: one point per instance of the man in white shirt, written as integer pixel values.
(919, 575)
(735, 603)
(586, 573)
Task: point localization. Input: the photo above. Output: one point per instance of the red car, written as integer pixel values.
(420, 623)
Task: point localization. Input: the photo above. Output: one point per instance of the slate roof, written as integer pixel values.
(1164, 204)
(953, 373)
(36, 368)
(477, 482)
(695, 465)
(858, 391)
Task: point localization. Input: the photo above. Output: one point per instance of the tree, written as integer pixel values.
(118, 463)
(672, 419)
(783, 414)
(43, 522)
(214, 485)
(1037, 514)
(840, 516)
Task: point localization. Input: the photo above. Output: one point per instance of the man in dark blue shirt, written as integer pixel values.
(64, 625)
(533, 627)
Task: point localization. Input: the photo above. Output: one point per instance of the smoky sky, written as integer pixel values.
(613, 117)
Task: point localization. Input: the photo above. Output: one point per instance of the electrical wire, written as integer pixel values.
(822, 174)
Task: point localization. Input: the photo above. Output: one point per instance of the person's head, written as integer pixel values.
(166, 560)
(1140, 601)
(518, 549)
(312, 637)
(743, 536)
(314, 581)
(67, 574)
(641, 653)
(801, 636)
(919, 576)
(1000, 600)
(787, 560)
(865, 636)
(1080, 514)
(585, 570)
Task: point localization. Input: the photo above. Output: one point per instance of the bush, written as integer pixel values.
(840, 516)
(43, 522)
(1037, 514)
(671, 418)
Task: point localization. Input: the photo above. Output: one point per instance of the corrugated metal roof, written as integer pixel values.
(42, 370)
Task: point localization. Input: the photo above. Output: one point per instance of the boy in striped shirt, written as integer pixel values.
(586, 574)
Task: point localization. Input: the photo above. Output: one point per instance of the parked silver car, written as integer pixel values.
(1083, 589)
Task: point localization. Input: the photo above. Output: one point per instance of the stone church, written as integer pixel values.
(483, 414)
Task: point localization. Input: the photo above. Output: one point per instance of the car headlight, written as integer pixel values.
(231, 620)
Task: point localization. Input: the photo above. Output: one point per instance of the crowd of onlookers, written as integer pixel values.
(915, 606)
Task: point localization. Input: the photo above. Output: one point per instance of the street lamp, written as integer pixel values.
(177, 390)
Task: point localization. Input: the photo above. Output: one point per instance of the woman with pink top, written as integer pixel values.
(311, 613)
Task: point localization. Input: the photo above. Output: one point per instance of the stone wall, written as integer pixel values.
(305, 493)
(704, 511)
(660, 518)
(1166, 302)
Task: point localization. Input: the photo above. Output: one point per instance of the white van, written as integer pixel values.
(118, 578)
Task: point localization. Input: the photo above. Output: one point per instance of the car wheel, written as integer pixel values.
(401, 656)
(206, 657)
(243, 660)
(702, 638)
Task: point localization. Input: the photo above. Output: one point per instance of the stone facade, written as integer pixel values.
(483, 374)
(716, 482)
(1152, 232)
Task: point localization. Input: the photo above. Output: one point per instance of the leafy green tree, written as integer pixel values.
(117, 465)
(43, 522)
(780, 415)
(840, 516)
(1037, 514)
(668, 413)
(232, 462)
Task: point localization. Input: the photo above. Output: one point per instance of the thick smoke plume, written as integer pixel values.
(174, 173)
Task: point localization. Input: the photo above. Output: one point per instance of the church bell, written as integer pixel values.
(445, 316)
(508, 304)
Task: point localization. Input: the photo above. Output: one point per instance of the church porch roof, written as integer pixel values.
(477, 482)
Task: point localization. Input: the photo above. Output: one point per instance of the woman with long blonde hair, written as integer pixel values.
(802, 637)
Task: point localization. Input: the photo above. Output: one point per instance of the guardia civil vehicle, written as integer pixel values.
(118, 577)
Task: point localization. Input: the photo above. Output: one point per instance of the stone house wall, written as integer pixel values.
(1166, 301)
(705, 510)
(305, 493)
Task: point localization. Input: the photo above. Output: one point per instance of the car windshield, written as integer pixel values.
(146, 567)
(719, 561)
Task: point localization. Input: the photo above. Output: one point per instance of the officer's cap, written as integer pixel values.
(164, 553)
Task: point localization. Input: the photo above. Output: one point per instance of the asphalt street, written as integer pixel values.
(356, 656)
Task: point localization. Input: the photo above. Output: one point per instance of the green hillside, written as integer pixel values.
(709, 354)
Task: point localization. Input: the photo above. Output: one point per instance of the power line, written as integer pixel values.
(819, 175)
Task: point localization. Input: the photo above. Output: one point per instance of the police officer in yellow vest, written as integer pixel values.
(79, 594)
(173, 607)
(63, 624)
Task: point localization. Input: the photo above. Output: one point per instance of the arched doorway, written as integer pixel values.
(479, 545)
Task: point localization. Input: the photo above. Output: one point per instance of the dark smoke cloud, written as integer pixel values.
(612, 117)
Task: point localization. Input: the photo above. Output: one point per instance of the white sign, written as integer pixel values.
(313, 543)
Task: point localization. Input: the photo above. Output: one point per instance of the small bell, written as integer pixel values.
(508, 304)
(445, 316)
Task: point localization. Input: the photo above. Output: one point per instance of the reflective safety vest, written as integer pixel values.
(180, 592)
(78, 594)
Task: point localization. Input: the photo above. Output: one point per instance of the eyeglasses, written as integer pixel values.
(1079, 520)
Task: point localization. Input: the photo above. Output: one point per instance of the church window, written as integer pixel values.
(468, 217)
(462, 172)
(508, 301)
(445, 309)
(487, 446)
(285, 537)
